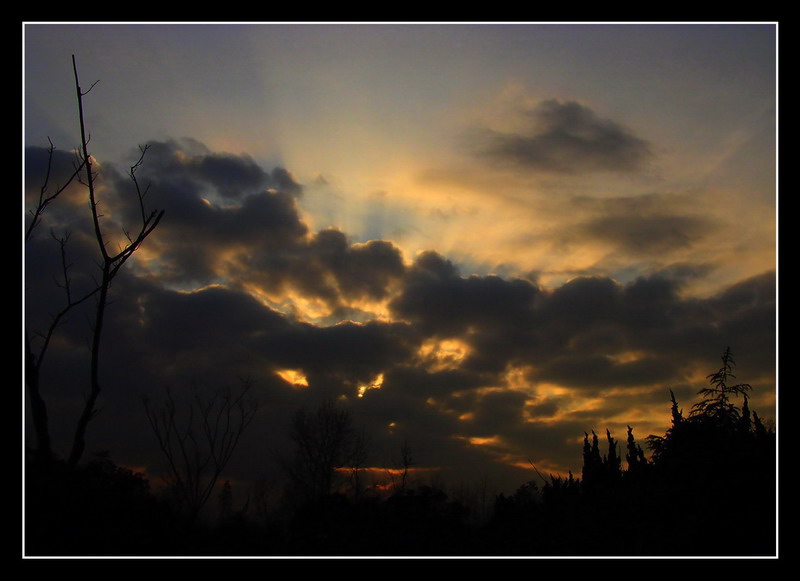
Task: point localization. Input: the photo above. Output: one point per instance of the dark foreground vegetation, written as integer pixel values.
(707, 489)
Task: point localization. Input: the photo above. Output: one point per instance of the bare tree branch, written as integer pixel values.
(109, 266)
(197, 457)
(325, 441)
(44, 197)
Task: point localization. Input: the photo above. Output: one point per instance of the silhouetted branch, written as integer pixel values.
(44, 198)
(324, 441)
(199, 445)
(109, 266)
(544, 480)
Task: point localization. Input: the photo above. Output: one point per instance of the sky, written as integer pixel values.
(485, 240)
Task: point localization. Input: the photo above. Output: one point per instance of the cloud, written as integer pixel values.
(360, 270)
(46, 173)
(591, 333)
(564, 137)
(480, 370)
(597, 371)
(643, 225)
(442, 302)
(497, 412)
(228, 175)
(223, 226)
(647, 235)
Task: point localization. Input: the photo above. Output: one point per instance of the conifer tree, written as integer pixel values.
(613, 460)
(677, 415)
(716, 404)
(635, 455)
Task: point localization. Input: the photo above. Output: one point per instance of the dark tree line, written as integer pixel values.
(706, 489)
(709, 489)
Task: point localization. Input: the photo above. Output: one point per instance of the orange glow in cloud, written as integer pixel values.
(307, 309)
(375, 384)
(495, 447)
(379, 310)
(569, 401)
(314, 310)
(523, 233)
(443, 355)
(516, 377)
(626, 357)
(201, 289)
(546, 390)
(294, 377)
(476, 441)
(147, 256)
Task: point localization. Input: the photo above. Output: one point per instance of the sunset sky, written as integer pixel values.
(484, 239)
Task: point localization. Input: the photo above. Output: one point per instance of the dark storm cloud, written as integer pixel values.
(226, 329)
(442, 302)
(203, 320)
(180, 184)
(574, 333)
(349, 351)
(590, 335)
(746, 311)
(544, 409)
(285, 181)
(584, 300)
(565, 137)
(194, 232)
(596, 371)
(229, 175)
(45, 174)
(62, 166)
(325, 266)
(419, 382)
(360, 270)
(261, 238)
(496, 412)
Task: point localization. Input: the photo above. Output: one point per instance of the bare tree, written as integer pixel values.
(324, 442)
(110, 263)
(406, 461)
(359, 456)
(198, 440)
(45, 195)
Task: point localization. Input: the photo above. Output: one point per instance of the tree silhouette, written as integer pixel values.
(407, 462)
(712, 472)
(708, 489)
(359, 456)
(635, 455)
(716, 404)
(199, 439)
(612, 461)
(110, 263)
(324, 441)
